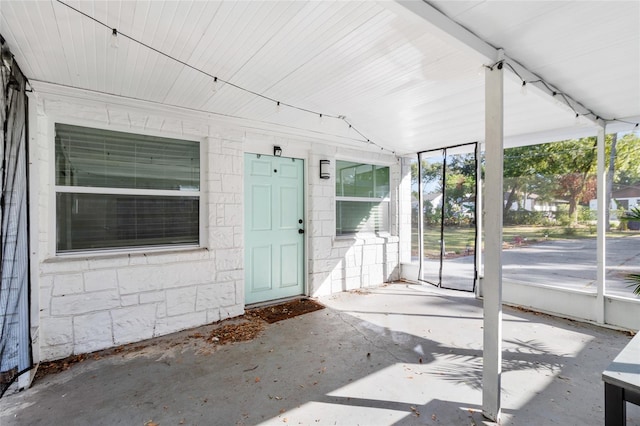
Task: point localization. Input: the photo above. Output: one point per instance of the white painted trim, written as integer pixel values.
(261, 148)
(551, 136)
(479, 221)
(419, 274)
(56, 116)
(125, 191)
(53, 231)
(290, 148)
(203, 202)
(450, 30)
(469, 42)
(383, 160)
(305, 224)
(601, 244)
(34, 229)
(367, 199)
(219, 122)
(121, 252)
(492, 281)
(622, 312)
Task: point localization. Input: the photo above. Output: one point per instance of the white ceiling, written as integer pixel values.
(404, 81)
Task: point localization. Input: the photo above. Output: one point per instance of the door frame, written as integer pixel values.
(266, 148)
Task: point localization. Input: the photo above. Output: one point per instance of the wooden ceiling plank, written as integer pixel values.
(13, 14)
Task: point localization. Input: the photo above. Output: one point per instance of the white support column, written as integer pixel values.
(420, 220)
(479, 225)
(601, 225)
(492, 282)
(404, 210)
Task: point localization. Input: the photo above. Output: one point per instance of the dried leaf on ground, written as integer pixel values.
(286, 310)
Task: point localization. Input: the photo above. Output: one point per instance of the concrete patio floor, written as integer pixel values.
(399, 354)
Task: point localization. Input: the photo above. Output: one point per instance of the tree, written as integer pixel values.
(566, 170)
(551, 170)
(627, 160)
(524, 171)
(459, 185)
(431, 172)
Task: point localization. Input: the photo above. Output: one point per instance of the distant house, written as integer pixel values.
(532, 202)
(434, 198)
(624, 198)
(627, 198)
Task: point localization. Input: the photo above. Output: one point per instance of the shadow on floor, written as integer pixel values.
(397, 355)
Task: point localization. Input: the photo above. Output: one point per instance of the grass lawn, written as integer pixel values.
(460, 239)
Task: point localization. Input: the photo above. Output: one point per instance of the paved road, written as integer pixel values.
(565, 263)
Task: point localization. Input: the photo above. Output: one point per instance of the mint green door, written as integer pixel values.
(274, 227)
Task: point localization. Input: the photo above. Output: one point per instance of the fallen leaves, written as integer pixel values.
(286, 310)
(248, 329)
(62, 364)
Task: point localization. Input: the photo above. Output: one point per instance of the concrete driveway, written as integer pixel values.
(395, 355)
(564, 263)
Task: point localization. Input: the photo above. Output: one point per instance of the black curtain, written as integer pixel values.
(15, 345)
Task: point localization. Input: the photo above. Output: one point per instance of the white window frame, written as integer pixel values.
(202, 202)
(386, 200)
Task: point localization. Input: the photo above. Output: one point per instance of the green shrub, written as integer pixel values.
(524, 217)
(586, 215)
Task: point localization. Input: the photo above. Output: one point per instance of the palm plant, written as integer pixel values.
(634, 279)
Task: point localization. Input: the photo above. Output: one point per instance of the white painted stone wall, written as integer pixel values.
(347, 263)
(90, 302)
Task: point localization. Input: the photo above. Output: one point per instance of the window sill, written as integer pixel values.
(119, 253)
(381, 238)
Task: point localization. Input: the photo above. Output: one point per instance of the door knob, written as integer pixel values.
(300, 231)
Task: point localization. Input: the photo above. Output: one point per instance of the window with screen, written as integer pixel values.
(118, 190)
(362, 198)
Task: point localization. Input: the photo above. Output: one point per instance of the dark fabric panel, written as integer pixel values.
(15, 346)
(361, 216)
(107, 159)
(99, 221)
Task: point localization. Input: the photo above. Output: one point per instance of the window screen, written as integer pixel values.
(121, 190)
(362, 198)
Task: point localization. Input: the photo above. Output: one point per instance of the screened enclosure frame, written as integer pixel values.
(443, 204)
(16, 357)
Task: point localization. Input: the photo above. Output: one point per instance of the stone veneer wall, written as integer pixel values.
(348, 263)
(95, 301)
(83, 303)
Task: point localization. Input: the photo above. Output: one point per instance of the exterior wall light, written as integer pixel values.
(324, 169)
(277, 151)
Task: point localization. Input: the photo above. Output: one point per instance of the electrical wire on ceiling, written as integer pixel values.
(115, 33)
(563, 98)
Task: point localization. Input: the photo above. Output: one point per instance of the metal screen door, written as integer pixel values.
(447, 188)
